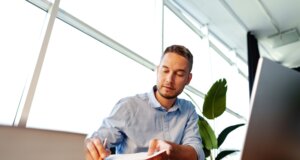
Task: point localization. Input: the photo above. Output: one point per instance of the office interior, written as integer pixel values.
(64, 64)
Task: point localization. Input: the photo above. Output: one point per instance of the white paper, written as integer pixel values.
(133, 156)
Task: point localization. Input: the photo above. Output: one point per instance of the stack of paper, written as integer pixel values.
(161, 155)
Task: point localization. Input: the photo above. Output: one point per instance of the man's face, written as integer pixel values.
(172, 75)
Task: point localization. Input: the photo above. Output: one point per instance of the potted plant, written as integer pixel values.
(214, 106)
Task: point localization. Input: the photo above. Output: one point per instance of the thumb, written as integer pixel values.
(152, 146)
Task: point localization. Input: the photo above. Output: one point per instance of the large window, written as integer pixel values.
(135, 24)
(83, 76)
(81, 80)
(21, 25)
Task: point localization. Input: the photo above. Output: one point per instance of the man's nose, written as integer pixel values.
(170, 77)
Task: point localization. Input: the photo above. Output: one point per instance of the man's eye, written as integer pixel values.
(180, 74)
(165, 70)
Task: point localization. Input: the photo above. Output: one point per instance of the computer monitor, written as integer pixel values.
(273, 129)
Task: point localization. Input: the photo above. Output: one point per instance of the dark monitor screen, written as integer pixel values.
(273, 131)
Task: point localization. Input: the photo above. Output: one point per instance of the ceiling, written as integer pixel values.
(275, 24)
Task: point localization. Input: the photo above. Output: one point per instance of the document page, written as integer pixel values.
(161, 155)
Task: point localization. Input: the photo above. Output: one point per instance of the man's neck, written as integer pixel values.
(166, 103)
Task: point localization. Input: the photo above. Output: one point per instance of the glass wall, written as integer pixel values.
(83, 76)
(135, 24)
(20, 32)
(81, 81)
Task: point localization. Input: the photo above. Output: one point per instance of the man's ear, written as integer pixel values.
(189, 79)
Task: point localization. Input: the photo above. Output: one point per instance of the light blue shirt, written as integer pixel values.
(135, 120)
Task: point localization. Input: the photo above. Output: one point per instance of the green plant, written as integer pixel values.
(214, 106)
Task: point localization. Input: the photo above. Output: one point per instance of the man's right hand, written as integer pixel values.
(95, 149)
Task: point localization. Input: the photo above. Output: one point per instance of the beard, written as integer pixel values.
(168, 96)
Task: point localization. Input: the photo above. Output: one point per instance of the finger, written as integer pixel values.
(86, 152)
(88, 156)
(91, 153)
(152, 146)
(103, 153)
(168, 151)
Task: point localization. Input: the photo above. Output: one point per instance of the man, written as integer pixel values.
(154, 121)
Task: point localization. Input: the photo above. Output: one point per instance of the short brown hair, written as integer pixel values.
(182, 51)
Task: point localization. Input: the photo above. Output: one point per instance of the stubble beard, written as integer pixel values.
(167, 96)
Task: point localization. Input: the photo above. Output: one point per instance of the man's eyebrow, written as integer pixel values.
(163, 66)
(178, 70)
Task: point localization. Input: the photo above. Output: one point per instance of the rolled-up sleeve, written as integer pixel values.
(192, 137)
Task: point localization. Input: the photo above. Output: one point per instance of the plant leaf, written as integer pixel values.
(207, 152)
(208, 136)
(222, 136)
(224, 153)
(215, 100)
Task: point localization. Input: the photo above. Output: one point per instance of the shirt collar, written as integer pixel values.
(155, 104)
